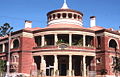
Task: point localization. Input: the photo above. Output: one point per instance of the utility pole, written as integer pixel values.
(6, 30)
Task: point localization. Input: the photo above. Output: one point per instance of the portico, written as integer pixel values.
(66, 65)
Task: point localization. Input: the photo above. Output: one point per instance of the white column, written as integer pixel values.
(43, 40)
(84, 66)
(43, 65)
(81, 66)
(72, 16)
(42, 59)
(70, 65)
(84, 40)
(67, 15)
(70, 39)
(61, 15)
(3, 48)
(56, 39)
(55, 65)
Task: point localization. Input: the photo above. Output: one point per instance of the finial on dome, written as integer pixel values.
(65, 6)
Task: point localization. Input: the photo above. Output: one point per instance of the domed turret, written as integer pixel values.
(65, 16)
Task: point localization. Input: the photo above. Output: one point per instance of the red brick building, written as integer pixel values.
(63, 48)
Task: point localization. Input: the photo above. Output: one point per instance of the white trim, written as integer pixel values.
(111, 35)
(64, 32)
(111, 76)
(65, 21)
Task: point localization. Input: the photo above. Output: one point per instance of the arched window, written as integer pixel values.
(16, 43)
(75, 16)
(112, 43)
(50, 17)
(78, 17)
(64, 15)
(69, 15)
(58, 15)
(53, 16)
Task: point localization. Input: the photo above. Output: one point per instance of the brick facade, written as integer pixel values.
(94, 47)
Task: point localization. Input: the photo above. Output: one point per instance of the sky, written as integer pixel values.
(15, 12)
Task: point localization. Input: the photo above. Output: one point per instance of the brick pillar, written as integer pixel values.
(94, 41)
(93, 64)
(25, 62)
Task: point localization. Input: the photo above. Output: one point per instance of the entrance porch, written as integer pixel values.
(64, 65)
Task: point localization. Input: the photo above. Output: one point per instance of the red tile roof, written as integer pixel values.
(96, 28)
(32, 29)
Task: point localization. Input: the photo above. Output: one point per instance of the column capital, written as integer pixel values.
(41, 55)
(42, 35)
(84, 55)
(55, 34)
(84, 35)
(55, 54)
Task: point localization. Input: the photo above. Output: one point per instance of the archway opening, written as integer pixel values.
(112, 43)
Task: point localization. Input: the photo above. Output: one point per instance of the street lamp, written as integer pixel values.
(6, 30)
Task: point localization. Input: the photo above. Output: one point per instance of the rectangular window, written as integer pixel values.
(98, 42)
(6, 47)
(49, 39)
(89, 41)
(38, 40)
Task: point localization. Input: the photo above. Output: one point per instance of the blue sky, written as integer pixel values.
(15, 12)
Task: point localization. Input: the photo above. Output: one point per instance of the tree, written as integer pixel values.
(2, 66)
(116, 62)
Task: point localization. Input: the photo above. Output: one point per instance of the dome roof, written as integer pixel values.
(65, 15)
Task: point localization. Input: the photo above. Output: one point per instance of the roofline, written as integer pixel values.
(105, 30)
(55, 29)
(16, 32)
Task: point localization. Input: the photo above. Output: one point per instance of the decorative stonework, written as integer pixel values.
(25, 34)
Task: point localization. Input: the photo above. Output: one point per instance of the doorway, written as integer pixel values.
(63, 65)
(63, 70)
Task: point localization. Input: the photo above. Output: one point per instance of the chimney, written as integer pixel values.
(28, 24)
(92, 21)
